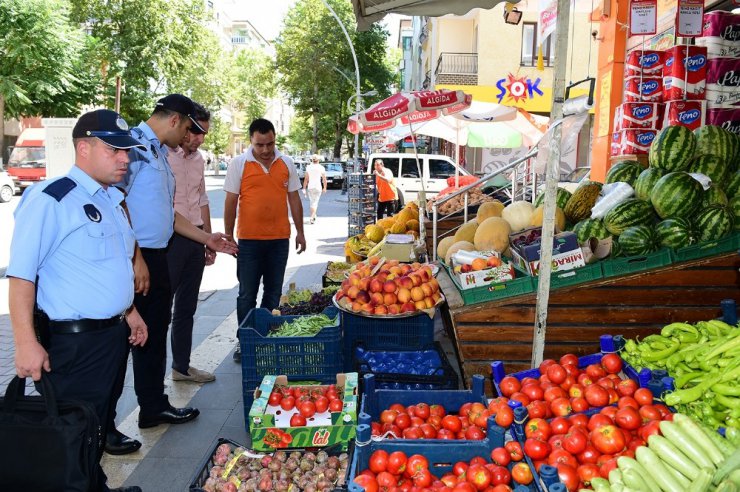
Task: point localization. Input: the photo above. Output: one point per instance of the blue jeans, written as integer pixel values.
(260, 260)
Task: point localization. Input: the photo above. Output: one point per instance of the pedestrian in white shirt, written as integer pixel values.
(312, 184)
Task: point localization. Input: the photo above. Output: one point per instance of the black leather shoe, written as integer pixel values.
(171, 415)
(127, 489)
(119, 443)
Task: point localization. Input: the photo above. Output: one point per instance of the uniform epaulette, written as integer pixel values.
(59, 188)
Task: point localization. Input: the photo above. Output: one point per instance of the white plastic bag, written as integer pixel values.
(611, 195)
(704, 180)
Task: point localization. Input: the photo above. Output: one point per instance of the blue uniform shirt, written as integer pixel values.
(80, 247)
(150, 188)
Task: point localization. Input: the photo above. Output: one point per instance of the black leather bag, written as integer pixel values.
(47, 445)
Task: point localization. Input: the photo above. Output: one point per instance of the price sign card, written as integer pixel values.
(643, 17)
(689, 17)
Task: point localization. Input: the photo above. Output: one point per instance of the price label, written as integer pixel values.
(689, 16)
(643, 17)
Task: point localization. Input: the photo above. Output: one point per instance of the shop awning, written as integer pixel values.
(369, 11)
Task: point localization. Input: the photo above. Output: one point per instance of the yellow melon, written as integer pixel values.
(412, 225)
(489, 209)
(466, 232)
(492, 234)
(458, 246)
(374, 233)
(538, 215)
(398, 228)
(444, 245)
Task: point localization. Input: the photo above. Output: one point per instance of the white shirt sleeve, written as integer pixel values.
(294, 184)
(233, 181)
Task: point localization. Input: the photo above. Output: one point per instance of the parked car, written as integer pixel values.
(300, 167)
(334, 174)
(7, 187)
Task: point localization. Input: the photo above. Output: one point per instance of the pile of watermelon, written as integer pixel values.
(671, 208)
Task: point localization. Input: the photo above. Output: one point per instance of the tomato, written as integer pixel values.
(560, 407)
(584, 379)
(595, 372)
(449, 480)
(649, 412)
(474, 433)
(522, 474)
(297, 420)
(537, 428)
(403, 421)
(370, 484)
(599, 420)
(606, 467)
(612, 363)
(464, 487)
(386, 480)
(307, 409)
(627, 401)
(554, 392)
(606, 382)
(533, 391)
(596, 396)
(428, 431)
(274, 398)
(635, 443)
(628, 418)
(464, 409)
(556, 441)
(556, 373)
(536, 449)
(500, 476)
(609, 411)
(613, 396)
(559, 425)
(414, 464)
(537, 409)
(500, 488)
(287, 403)
(569, 359)
(451, 423)
(644, 396)
(572, 370)
(459, 468)
(588, 472)
(515, 450)
(396, 462)
(545, 364)
(521, 397)
(578, 420)
(378, 461)
(558, 456)
(412, 433)
(423, 411)
(579, 404)
(608, 439)
(509, 385)
(435, 421)
(336, 405)
(437, 410)
(627, 387)
(568, 476)
(322, 404)
(388, 416)
(569, 381)
(648, 429)
(479, 476)
(482, 419)
(423, 478)
(500, 456)
(575, 391)
(575, 441)
(445, 434)
(505, 417)
(589, 455)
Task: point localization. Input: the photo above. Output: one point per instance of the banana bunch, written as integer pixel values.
(357, 247)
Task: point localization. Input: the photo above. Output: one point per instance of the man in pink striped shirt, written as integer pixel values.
(187, 258)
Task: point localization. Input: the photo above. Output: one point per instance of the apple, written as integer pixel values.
(406, 282)
(389, 286)
(408, 307)
(376, 298)
(417, 294)
(381, 309)
(394, 308)
(466, 268)
(363, 297)
(389, 298)
(404, 295)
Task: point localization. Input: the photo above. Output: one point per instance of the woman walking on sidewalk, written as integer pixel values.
(312, 185)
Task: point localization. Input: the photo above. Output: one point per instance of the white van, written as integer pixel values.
(435, 171)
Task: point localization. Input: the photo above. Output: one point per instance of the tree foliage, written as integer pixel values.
(254, 82)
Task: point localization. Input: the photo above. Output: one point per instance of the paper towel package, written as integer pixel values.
(636, 141)
(647, 62)
(729, 119)
(615, 147)
(643, 88)
(690, 114)
(638, 115)
(685, 73)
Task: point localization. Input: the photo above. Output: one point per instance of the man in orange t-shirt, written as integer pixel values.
(387, 192)
(263, 183)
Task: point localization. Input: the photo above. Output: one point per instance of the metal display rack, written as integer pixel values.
(362, 202)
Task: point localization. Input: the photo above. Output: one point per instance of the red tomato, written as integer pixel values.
(579, 404)
(521, 397)
(556, 373)
(465, 409)
(435, 420)
(560, 407)
(596, 396)
(274, 398)
(569, 359)
(403, 421)
(287, 403)
(537, 409)
(515, 450)
(370, 484)
(500, 456)
(649, 412)
(612, 363)
(307, 409)
(569, 381)
(595, 372)
(322, 404)
(474, 433)
(554, 392)
(568, 476)
(451, 423)
(545, 364)
(336, 405)
(606, 382)
(445, 434)
(559, 425)
(606, 467)
(414, 464)
(664, 410)
(556, 441)
(378, 461)
(509, 385)
(449, 480)
(522, 474)
(386, 480)
(608, 439)
(589, 455)
(423, 479)
(575, 391)
(572, 370)
(533, 391)
(412, 433)
(479, 476)
(609, 411)
(578, 420)
(422, 411)
(459, 468)
(558, 456)
(428, 431)
(398, 408)
(528, 380)
(396, 462)
(627, 387)
(649, 429)
(627, 401)
(599, 420)
(464, 487)
(575, 441)
(536, 449)
(437, 411)
(505, 417)
(481, 420)
(587, 473)
(388, 416)
(628, 418)
(584, 379)
(613, 396)
(644, 396)
(537, 428)
(635, 443)
(297, 420)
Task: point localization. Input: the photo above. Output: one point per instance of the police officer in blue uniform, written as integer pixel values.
(150, 186)
(71, 254)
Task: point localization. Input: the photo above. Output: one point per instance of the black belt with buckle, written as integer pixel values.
(84, 325)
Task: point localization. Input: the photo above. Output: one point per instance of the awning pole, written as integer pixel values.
(551, 183)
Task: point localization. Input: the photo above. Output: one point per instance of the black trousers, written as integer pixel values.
(265, 261)
(84, 366)
(388, 208)
(186, 261)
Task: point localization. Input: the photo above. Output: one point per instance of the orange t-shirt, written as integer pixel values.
(386, 191)
(263, 202)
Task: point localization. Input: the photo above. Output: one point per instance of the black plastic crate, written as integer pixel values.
(440, 375)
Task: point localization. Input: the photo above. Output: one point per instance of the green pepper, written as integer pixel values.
(677, 328)
(727, 401)
(661, 355)
(726, 345)
(691, 338)
(690, 394)
(681, 381)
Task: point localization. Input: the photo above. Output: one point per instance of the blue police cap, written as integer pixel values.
(108, 126)
(183, 105)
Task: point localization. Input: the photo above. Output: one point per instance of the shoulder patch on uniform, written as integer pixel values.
(59, 188)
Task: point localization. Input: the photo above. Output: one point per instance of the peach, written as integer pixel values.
(376, 285)
(406, 269)
(389, 298)
(434, 283)
(404, 295)
(352, 292)
(382, 276)
(417, 294)
(389, 286)
(396, 270)
(436, 297)
(408, 307)
(376, 298)
(420, 305)
(394, 308)
(429, 302)
(393, 263)
(354, 278)
(494, 261)
(357, 307)
(368, 308)
(427, 290)
(415, 265)
(380, 310)
(364, 283)
(373, 260)
(363, 297)
(416, 279)
(406, 282)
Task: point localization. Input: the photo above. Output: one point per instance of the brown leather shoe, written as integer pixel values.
(194, 376)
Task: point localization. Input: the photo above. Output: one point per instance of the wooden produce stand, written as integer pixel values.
(636, 304)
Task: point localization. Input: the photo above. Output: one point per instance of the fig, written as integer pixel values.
(266, 460)
(330, 474)
(216, 471)
(265, 484)
(280, 456)
(223, 449)
(305, 464)
(322, 456)
(332, 462)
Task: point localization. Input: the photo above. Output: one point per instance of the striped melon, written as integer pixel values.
(674, 233)
(629, 213)
(645, 182)
(561, 198)
(676, 195)
(672, 148)
(583, 199)
(713, 166)
(616, 250)
(588, 228)
(735, 207)
(713, 223)
(625, 172)
(714, 196)
(715, 140)
(732, 187)
(638, 240)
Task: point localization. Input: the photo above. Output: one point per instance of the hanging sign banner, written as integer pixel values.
(643, 17)
(689, 18)
(548, 20)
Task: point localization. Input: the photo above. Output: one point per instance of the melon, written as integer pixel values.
(374, 233)
(539, 214)
(714, 196)
(735, 207)
(712, 166)
(493, 234)
(580, 204)
(466, 232)
(489, 209)
(715, 140)
(443, 245)
(518, 215)
(458, 246)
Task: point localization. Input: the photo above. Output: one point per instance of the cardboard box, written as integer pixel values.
(566, 253)
(480, 278)
(324, 429)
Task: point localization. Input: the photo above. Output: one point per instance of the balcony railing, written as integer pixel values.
(240, 40)
(457, 64)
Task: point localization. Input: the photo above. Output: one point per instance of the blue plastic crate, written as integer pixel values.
(607, 343)
(404, 333)
(311, 358)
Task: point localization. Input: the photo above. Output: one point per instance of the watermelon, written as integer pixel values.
(589, 228)
(674, 233)
(625, 172)
(645, 182)
(715, 140)
(628, 213)
(638, 240)
(714, 196)
(672, 148)
(735, 207)
(732, 187)
(676, 195)
(713, 223)
(616, 250)
(561, 198)
(711, 166)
